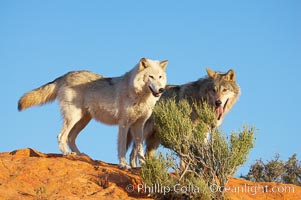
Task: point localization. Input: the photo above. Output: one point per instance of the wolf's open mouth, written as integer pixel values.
(220, 110)
(155, 94)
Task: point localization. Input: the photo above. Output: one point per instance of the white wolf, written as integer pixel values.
(127, 100)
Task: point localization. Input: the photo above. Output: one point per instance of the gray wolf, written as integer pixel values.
(126, 101)
(219, 90)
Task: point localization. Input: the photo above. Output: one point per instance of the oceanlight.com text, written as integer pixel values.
(193, 189)
(252, 189)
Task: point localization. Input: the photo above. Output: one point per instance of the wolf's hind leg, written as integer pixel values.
(80, 125)
(152, 144)
(70, 119)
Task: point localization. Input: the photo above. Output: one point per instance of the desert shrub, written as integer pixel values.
(293, 171)
(156, 175)
(204, 161)
(155, 170)
(276, 170)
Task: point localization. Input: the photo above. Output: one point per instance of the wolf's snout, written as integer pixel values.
(218, 103)
(156, 92)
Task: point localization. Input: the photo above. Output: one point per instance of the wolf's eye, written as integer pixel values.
(225, 90)
(152, 77)
(213, 90)
(160, 77)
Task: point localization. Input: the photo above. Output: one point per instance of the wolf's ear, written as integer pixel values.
(230, 75)
(210, 73)
(163, 64)
(143, 63)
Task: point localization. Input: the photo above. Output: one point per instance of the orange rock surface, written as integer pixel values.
(29, 174)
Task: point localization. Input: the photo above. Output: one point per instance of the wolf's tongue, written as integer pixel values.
(219, 112)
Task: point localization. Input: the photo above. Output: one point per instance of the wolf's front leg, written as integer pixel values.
(133, 156)
(137, 152)
(122, 138)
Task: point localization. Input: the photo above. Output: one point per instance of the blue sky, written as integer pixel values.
(260, 40)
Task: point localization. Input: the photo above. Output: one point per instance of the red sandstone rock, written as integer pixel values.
(29, 174)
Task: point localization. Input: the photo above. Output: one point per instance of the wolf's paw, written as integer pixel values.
(124, 166)
(67, 153)
(71, 154)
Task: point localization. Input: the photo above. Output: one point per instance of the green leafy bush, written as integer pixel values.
(276, 170)
(205, 161)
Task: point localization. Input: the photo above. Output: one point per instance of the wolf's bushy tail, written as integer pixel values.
(44, 94)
